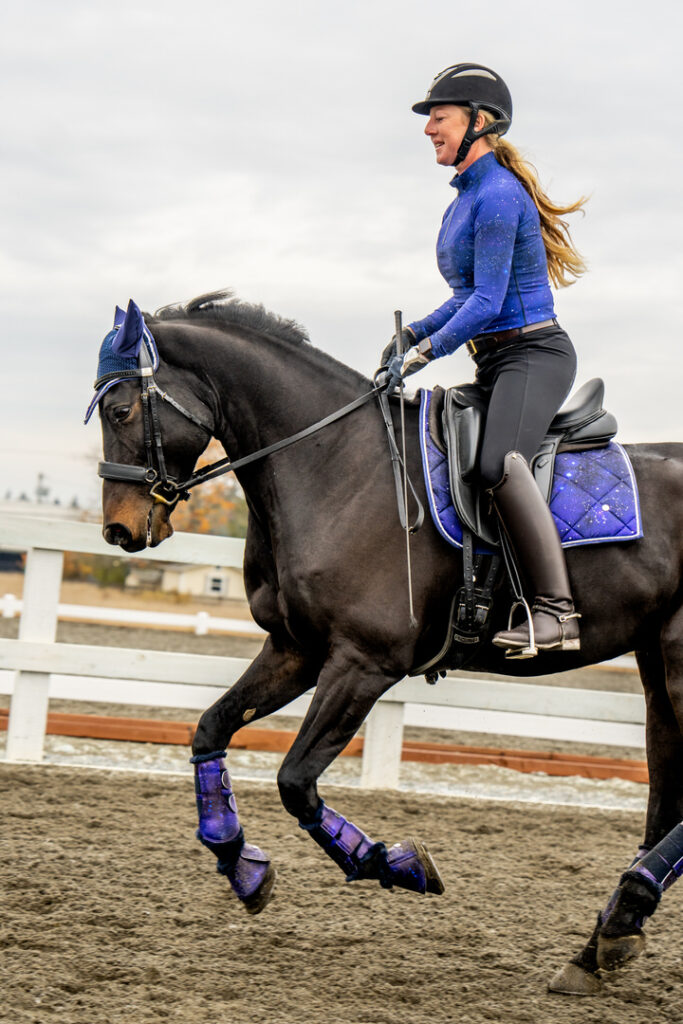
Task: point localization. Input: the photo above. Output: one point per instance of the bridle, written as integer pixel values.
(166, 490)
(163, 488)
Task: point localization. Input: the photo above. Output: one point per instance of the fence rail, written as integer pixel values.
(482, 705)
(199, 622)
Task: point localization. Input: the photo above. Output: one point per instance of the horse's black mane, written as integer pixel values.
(222, 308)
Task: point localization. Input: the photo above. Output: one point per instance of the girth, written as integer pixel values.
(457, 421)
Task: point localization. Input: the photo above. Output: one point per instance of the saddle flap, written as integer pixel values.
(436, 404)
(467, 439)
(464, 415)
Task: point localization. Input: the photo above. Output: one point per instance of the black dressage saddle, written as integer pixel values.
(457, 417)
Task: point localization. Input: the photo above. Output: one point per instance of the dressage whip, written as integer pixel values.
(398, 328)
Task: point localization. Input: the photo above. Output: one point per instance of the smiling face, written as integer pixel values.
(446, 127)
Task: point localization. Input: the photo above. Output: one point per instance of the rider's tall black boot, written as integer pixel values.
(532, 533)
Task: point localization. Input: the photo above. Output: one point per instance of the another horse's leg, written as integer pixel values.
(665, 806)
(641, 887)
(278, 675)
(347, 690)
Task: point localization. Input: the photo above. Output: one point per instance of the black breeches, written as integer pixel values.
(525, 382)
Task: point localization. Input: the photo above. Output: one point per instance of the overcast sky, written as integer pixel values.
(160, 150)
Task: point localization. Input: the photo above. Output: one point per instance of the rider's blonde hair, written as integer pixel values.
(565, 262)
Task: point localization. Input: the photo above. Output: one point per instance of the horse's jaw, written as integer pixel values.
(132, 521)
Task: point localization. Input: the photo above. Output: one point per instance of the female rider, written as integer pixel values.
(501, 243)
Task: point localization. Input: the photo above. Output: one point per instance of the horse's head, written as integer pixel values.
(154, 427)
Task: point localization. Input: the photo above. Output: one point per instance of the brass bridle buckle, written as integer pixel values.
(166, 492)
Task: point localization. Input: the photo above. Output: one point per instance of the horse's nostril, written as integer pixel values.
(117, 533)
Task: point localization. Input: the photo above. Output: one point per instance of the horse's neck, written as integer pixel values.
(269, 390)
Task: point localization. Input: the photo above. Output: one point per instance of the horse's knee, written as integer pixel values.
(206, 738)
(298, 795)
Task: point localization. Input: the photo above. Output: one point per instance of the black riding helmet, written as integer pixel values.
(476, 87)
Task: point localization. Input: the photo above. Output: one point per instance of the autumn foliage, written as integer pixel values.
(214, 507)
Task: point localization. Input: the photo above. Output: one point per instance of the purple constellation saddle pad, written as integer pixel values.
(594, 497)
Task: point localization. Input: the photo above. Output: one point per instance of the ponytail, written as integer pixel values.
(564, 260)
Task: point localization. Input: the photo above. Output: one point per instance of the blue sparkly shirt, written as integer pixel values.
(491, 253)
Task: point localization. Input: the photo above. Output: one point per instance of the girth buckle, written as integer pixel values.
(467, 627)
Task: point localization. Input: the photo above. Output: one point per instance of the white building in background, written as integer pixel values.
(193, 580)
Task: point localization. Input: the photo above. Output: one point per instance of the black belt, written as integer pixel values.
(482, 343)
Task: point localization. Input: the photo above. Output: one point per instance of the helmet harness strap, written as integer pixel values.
(469, 137)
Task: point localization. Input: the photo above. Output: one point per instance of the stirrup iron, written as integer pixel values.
(531, 650)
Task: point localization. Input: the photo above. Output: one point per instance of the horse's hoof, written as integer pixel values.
(573, 980)
(433, 880)
(258, 900)
(613, 953)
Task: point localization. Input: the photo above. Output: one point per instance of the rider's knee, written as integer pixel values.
(490, 470)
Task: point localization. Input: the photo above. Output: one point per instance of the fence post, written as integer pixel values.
(28, 709)
(201, 624)
(382, 746)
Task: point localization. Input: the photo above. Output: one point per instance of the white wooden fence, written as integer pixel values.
(199, 622)
(41, 668)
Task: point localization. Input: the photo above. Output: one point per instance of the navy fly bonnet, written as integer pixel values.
(126, 350)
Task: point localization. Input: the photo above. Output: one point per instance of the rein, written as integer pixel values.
(168, 491)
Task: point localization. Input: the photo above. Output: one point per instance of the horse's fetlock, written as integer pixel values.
(637, 900)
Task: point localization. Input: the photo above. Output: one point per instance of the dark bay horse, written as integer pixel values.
(325, 575)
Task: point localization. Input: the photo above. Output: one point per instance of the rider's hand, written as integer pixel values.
(417, 357)
(392, 348)
(394, 373)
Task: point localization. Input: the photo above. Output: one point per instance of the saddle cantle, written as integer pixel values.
(581, 424)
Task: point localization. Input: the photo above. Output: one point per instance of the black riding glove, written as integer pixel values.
(394, 375)
(403, 366)
(392, 348)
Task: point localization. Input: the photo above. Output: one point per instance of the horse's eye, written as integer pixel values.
(120, 413)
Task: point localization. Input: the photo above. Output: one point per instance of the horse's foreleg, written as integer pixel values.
(275, 677)
(346, 692)
(618, 936)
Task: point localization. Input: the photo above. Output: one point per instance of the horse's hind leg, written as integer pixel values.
(278, 675)
(665, 807)
(661, 863)
(346, 692)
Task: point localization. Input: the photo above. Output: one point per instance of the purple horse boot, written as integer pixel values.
(621, 936)
(408, 865)
(247, 868)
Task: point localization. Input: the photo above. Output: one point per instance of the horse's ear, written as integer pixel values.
(119, 316)
(129, 337)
